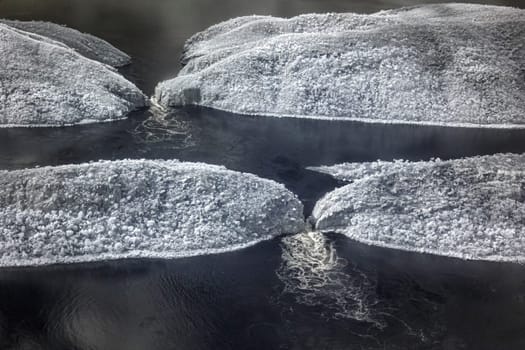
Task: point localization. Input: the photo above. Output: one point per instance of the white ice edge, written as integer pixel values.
(84, 122)
(520, 259)
(419, 65)
(109, 210)
(133, 254)
(352, 119)
(470, 208)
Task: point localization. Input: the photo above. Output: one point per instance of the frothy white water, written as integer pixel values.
(164, 127)
(315, 275)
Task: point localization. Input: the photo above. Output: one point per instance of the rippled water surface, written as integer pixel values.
(308, 291)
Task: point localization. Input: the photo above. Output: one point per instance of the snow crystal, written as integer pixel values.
(472, 208)
(446, 64)
(137, 208)
(85, 44)
(45, 83)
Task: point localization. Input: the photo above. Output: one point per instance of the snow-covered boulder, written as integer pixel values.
(45, 83)
(445, 64)
(472, 208)
(85, 44)
(137, 208)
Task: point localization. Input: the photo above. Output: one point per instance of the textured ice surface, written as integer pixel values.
(472, 208)
(85, 44)
(137, 208)
(45, 83)
(446, 64)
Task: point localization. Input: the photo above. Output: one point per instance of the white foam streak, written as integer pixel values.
(315, 275)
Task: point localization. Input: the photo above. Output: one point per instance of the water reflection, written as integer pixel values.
(204, 303)
(395, 300)
(274, 148)
(464, 304)
(392, 299)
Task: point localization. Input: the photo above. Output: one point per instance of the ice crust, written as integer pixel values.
(45, 83)
(137, 208)
(472, 208)
(444, 64)
(85, 44)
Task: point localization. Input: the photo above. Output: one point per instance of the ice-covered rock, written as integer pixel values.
(45, 83)
(85, 44)
(137, 208)
(445, 64)
(472, 208)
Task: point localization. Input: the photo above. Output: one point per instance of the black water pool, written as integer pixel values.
(309, 291)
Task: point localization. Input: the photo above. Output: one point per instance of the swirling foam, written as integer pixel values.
(314, 274)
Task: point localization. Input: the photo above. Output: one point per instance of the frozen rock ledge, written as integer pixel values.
(85, 44)
(44, 82)
(137, 208)
(444, 64)
(472, 208)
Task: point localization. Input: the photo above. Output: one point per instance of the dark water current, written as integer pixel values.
(308, 291)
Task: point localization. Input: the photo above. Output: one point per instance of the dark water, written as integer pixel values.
(303, 292)
(236, 301)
